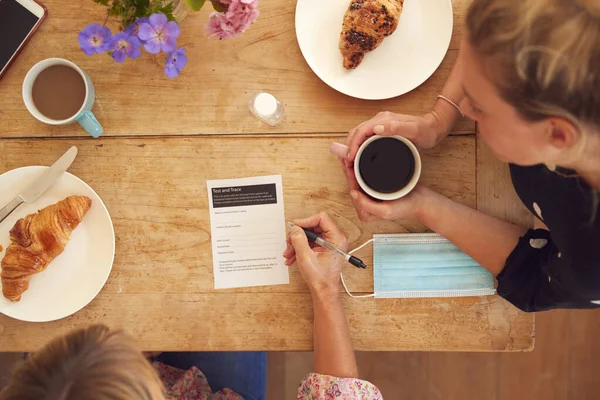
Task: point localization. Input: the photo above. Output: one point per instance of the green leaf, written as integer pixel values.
(218, 6)
(141, 7)
(195, 5)
(167, 10)
(169, 14)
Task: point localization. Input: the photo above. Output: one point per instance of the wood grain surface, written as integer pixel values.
(496, 195)
(164, 138)
(211, 96)
(561, 367)
(447, 371)
(283, 321)
(161, 286)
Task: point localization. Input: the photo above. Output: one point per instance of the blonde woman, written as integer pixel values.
(99, 364)
(528, 73)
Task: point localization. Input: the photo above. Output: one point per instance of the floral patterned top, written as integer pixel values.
(192, 385)
(324, 387)
(189, 385)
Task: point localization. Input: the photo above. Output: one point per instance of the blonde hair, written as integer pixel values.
(544, 56)
(91, 364)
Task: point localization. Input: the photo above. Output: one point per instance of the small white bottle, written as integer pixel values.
(267, 108)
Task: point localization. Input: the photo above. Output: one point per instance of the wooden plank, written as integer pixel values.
(543, 373)
(462, 376)
(448, 372)
(398, 375)
(155, 191)
(561, 367)
(495, 193)
(222, 321)
(276, 374)
(297, 365)
(211, 96)
(584, 353)
(496, 196)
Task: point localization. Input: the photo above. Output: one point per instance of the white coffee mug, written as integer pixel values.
(341, 150)
(83, 116)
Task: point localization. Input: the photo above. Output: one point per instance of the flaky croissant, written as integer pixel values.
(38, 239)
(366, 24)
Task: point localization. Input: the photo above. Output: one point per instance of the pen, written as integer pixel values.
(313, 237)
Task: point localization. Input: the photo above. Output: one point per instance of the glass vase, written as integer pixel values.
(180, 9)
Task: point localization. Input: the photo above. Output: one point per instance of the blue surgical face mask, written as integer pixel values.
(426, 265)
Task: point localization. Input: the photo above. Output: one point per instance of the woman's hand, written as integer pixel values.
(320, 268)
(423, 131)
(408, 207)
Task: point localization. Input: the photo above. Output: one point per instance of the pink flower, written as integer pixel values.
(234, 20)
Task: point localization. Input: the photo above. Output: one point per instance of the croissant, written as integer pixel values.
(366, 24)
(38, 239)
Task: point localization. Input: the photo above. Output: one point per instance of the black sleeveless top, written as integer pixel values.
(559, 268)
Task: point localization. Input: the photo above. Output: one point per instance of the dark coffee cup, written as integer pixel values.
(386, 167)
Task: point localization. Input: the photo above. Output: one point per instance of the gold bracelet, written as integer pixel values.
(453, 103)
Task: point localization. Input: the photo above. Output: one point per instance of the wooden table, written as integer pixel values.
(163, 138)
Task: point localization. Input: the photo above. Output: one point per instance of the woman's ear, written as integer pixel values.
(563, 134)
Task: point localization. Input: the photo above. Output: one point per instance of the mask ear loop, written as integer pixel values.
(342, 275)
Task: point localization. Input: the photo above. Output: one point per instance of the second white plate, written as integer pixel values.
(76, 276)
(403, 61)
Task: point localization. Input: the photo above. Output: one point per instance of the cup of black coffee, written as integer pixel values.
(58, 92)
(386, 167)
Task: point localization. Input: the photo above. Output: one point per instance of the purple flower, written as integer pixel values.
(134, 28)
(95, 38)
(175, 63)
(234, 21)
(159, 34)
(124, 45)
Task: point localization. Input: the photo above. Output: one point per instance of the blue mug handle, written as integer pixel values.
(89, 122)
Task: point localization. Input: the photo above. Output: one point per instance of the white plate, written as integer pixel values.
(402, 62)
(75, 277)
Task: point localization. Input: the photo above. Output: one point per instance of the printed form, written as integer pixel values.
(247, 223)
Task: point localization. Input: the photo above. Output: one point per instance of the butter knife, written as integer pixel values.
(43, 183)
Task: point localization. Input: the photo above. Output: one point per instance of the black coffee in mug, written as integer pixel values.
(386, 165)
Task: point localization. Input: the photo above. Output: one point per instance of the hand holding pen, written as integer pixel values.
(316, 239)
(320, 266)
